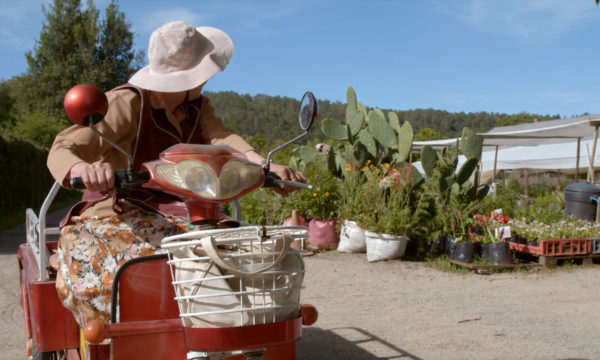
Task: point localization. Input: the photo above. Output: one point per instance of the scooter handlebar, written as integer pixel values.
(123, 180)
(273, 181)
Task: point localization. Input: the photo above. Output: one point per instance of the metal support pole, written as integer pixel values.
(577, 162)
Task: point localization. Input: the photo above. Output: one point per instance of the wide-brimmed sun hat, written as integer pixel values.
(183, 57)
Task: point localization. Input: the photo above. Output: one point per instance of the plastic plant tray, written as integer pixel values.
(556, 247)
(595, 245)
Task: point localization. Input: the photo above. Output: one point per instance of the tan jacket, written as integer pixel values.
(77, 143)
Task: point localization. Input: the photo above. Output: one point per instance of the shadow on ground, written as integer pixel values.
(347, 343)
(11, 239)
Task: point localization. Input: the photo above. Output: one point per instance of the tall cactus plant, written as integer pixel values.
(448, 193)
(367, 136)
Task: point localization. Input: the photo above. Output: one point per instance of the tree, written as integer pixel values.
(114, 57)
(75, 46)
(62, 57)
(6, 107)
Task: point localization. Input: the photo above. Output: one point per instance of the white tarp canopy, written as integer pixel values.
(530, 134)
(541, 157)
(561, 144)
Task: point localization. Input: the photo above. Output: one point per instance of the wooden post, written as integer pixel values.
(495, 161)
(594, 152)
(577, 162)
(526, 187)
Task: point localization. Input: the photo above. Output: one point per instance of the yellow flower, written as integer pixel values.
(387, 165)
(315, 194)
(327, 194)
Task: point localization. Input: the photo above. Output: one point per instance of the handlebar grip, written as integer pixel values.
(77, 183)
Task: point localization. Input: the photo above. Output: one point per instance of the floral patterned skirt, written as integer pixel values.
(91, 250)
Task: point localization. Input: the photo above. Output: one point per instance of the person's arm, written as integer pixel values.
(80, 152)
(284, 172)
(216, 132)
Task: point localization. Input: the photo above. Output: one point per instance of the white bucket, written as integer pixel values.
(352, 238)
(384, 246)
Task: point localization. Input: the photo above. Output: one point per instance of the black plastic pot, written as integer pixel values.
(533, 242)
(500, 253)
(451, 247)
(484, 252)
(464, 251)
(438, 247)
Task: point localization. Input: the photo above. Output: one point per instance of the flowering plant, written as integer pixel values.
(572, 228)
(322, 202)
(381, 198)
(491, 227)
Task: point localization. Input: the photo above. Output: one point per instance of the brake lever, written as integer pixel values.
(283, 183)
(272, 180)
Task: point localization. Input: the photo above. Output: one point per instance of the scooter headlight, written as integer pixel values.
(198, 177)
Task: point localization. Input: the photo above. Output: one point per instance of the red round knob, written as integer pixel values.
(85, 103)
(309, 314)
(94, 332)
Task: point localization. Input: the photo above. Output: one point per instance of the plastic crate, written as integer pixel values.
(556, 247)
(595, 245)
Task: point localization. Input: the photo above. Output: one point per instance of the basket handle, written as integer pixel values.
(209, 247)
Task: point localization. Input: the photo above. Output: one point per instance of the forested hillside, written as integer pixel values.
(274, 117)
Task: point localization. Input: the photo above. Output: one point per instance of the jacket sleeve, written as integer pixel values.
(79, 143)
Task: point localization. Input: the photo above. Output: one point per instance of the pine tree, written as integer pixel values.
(75, 46)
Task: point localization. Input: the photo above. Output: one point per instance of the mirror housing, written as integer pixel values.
(85, 104)
(309, 111)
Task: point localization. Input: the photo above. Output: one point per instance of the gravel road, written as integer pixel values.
(407, 310)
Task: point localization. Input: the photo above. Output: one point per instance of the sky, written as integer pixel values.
(501, 56)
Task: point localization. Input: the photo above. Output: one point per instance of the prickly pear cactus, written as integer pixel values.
(367, 136)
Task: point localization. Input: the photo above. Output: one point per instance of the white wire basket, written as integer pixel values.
(236, 277)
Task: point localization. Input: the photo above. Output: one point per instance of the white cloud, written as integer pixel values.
(532, 19)
(248, 16)
(20, 23)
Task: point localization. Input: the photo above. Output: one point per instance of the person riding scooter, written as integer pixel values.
(160, 106)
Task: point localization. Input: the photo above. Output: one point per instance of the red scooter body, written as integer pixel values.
(146, 319)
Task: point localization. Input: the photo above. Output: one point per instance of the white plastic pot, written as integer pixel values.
(352, 238)
(384, 246)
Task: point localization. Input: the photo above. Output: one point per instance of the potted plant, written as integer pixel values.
(493, 228)
(320, 204)
(383, 203)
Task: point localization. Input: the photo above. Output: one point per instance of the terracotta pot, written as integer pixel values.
(288, 221)
(322, 234)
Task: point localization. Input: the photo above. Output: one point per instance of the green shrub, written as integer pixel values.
(25, 180)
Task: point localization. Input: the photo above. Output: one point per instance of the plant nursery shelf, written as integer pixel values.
(485, 268)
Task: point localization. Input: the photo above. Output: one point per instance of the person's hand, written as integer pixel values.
(98, 177)
(286, 173)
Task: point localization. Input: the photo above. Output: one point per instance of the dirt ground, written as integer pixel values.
(407, 310)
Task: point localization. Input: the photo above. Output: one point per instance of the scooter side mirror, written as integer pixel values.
(309, 111)
(85, 104)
